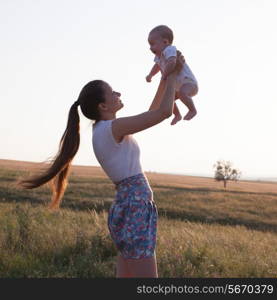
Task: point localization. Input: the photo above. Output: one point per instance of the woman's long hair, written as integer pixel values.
(90, 96)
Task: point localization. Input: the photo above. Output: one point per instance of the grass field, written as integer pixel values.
(203, 230)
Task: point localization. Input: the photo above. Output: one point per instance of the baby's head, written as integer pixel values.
(159, 38)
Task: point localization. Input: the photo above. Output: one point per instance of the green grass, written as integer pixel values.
(202, 232)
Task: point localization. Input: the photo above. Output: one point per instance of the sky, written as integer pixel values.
(51, 48)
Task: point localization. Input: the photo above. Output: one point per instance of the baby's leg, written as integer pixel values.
(186, 92)
(177, 114)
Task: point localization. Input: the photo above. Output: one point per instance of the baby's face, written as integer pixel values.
(157, 43)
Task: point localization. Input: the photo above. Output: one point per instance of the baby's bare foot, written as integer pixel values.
(176, 119)
(190, 115)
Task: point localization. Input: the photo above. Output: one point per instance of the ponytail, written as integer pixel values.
(89, 98)
(59, 169)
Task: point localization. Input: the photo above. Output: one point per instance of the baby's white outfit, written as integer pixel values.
(185, 75)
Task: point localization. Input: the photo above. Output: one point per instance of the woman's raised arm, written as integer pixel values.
(133, 124)
(158, 97)
(160, 109)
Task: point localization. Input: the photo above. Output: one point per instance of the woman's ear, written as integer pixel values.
(102, 106)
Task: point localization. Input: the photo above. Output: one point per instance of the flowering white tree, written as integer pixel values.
(224, 172)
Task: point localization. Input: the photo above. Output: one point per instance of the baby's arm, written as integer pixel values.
(153, 72)
(169, 67)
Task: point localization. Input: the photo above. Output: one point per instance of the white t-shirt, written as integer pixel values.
(185, 74)
(118, 160)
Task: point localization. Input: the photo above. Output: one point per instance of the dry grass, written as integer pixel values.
(203, 230)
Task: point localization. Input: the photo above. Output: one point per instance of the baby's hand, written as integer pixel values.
(148, 78)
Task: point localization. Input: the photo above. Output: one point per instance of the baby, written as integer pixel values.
(160, 40)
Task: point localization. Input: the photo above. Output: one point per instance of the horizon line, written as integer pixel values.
(250, 178)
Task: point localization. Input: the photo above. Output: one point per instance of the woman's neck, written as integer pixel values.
(108, 116)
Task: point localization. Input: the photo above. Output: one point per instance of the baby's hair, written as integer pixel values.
(164, 31)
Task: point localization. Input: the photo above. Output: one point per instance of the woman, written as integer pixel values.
(132, 219)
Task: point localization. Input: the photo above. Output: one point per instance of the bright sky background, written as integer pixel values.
(51, 48)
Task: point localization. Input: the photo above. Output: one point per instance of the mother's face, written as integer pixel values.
(112, 102)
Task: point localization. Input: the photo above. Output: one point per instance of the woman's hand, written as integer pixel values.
(179, 62)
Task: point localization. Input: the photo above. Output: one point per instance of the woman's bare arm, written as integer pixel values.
(158, 97)
(160, 109)
(169, 67)
(137, 123)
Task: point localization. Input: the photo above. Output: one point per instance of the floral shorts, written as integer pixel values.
(132, 219)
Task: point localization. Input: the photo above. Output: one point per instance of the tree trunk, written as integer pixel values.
(225, 183)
